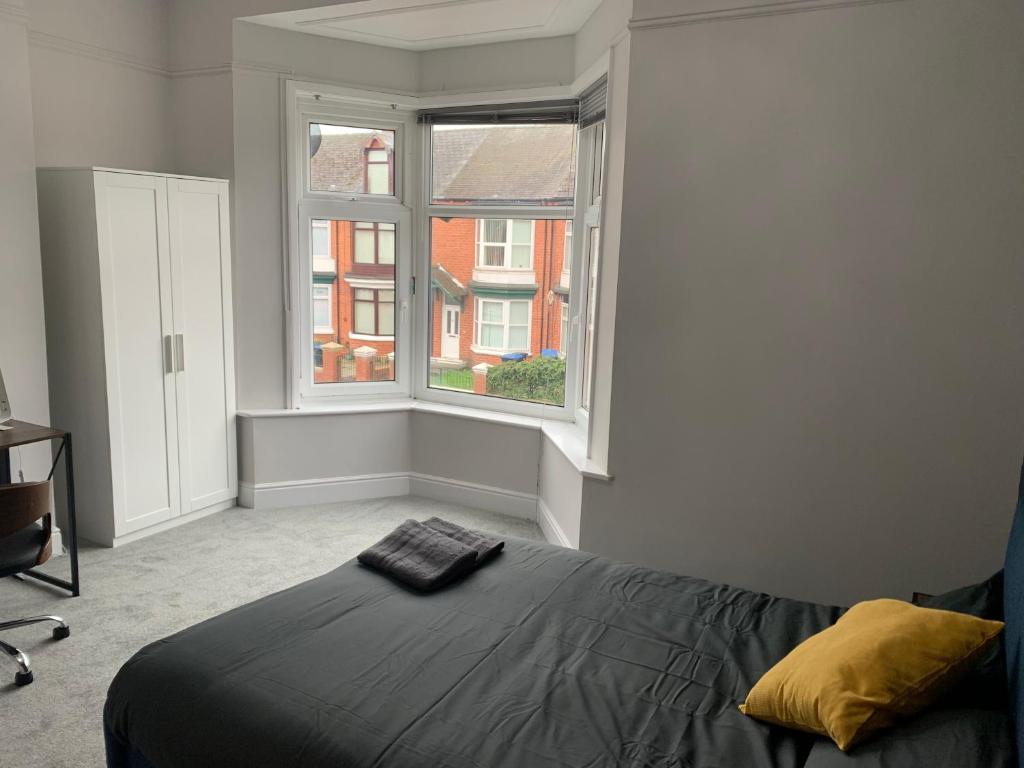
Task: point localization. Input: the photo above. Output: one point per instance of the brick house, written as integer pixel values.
(498, 287)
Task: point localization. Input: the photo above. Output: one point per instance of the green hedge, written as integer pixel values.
(540, 379)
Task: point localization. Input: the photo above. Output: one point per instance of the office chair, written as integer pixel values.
(26, 524)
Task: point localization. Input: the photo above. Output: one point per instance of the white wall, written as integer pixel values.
(818, 356)
(605, 27)
(497, 66)
(560, 494)
(298, 457)
(501, 456)
(22, 329)
(99, 83)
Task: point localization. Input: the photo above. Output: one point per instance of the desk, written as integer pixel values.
(23, 433)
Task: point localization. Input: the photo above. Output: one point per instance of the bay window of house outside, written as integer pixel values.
(508, 305)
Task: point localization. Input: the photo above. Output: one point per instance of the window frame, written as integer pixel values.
(592, 157)
(506, 260)
(423, 305)
(410, 209)
(506, 324)
(305, 106)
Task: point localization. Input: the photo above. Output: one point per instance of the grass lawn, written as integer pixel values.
(452, 378)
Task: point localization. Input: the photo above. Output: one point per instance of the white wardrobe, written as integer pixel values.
(137, 285)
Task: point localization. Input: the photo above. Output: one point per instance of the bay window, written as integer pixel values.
(502, 326)
(503, 267)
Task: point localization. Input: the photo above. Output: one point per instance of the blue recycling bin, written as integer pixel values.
(514, 357)
(549, 353)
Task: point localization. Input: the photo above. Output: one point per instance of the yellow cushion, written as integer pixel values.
(884, 659)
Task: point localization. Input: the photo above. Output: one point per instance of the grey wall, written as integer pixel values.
(496, 455)
(22, 329)
(560, 489)
(304, 446)
(100, 84)
(819, 364)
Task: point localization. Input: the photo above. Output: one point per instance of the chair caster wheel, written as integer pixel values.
(59, 633)
(22, 678)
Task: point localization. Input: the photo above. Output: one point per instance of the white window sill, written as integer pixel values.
(322, 330)
(497, 352)
(368, 337)
(569, 438)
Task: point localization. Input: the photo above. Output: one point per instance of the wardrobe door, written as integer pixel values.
(135, 284)
(201, 259)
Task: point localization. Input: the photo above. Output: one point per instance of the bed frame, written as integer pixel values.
(1013, 610)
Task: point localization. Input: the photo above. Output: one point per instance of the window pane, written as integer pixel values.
(339, 155)
(493, 256)
(519, 313)
(321, 240)
(365, 318)
(563, 338)
(377, 156)
(386, 316)
(588, 340)
(378, 179)
(321, 307)
(522, 231)
(520, 257)
(492, 336)
(386, 244)
(510, 164)
(480, 315)
(493, 230)
(355, 300)
(491, 312)
(364, 245)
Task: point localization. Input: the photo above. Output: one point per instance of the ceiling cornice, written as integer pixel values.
(730, 11)
(13, 11)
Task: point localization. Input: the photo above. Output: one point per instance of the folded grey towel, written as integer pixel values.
(420, 556)
(485, 547)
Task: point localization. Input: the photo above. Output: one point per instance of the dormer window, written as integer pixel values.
(379, 178)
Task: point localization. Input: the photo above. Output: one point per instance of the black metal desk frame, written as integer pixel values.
(23, 433)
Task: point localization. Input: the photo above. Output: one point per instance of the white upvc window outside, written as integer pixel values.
(323, 318)
(502, 325)
(505, 244)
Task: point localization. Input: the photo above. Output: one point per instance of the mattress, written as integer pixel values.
(546, 657)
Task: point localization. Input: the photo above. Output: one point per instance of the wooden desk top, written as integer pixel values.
(23, 433)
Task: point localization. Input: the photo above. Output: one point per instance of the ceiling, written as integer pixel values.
(420, 25)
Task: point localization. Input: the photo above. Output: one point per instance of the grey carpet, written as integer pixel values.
(151, 588)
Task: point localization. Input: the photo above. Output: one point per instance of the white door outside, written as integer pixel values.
(450, 333)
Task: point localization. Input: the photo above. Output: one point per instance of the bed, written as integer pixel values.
(546, 657)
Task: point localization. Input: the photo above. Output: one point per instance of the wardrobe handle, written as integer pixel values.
(168, 355)
(179, 350)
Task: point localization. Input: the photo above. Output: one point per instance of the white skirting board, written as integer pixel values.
(549, 526)
(295, 493)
